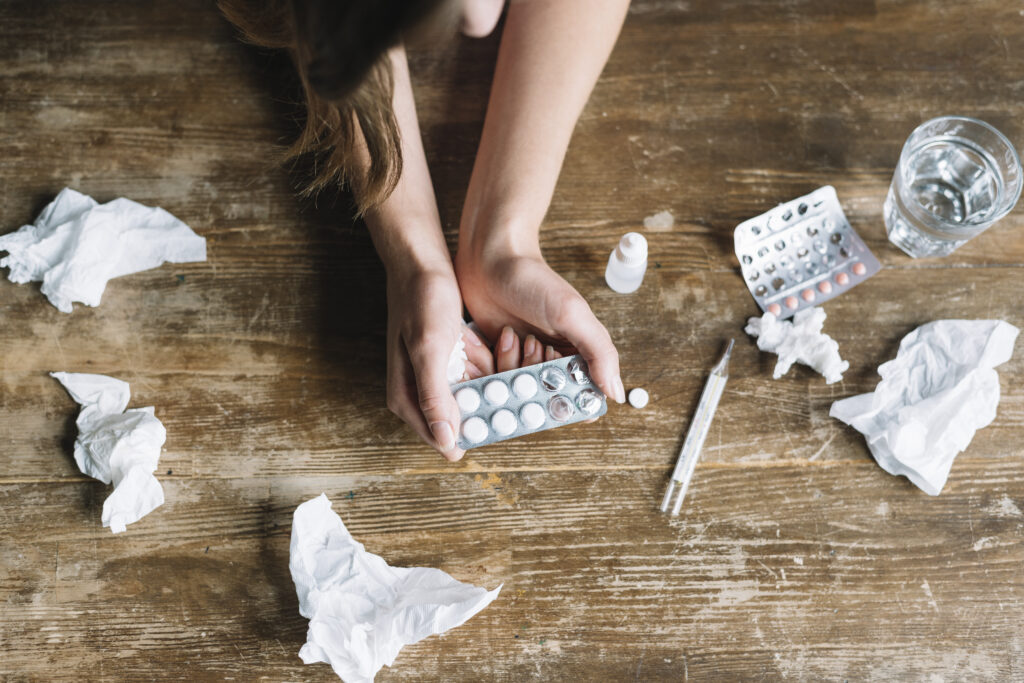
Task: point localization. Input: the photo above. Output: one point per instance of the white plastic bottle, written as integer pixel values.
(627, 264)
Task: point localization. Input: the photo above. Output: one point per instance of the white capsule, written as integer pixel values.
(524, 386)
(504, 422)
(468, 399)
(496, 392)
(638, 398)
(474, 429)
(532, 415)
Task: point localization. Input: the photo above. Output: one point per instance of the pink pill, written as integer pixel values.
(824, 286)
(774, 309)
(791, 302)
(842, 279)
(859, 268)
(807, 294)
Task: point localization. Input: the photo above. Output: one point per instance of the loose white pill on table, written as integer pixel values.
(638, 398)
(532, 415)
(468, 399)
(525, 386)
(496, 392)
(474, 429)
(504, 422)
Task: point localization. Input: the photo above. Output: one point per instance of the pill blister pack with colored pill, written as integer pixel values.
(802, 253)
(527, 400)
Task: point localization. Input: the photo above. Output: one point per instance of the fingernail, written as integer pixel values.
(620, 392)
(507, 336)
(528, 345)
(472, 337)
(444, 435)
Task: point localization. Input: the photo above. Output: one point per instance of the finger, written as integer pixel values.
(429, 359)
(507, 354)
(583, 330)
(533, 351)
(551, 354)
(477, 352)
(472, 371)
(402, 394)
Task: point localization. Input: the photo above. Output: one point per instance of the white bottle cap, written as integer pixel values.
(632, 249)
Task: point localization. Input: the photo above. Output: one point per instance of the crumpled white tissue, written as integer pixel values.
(77, 245)
(116, 446)
(457, 362)
(362, 611)
(939, 390)
(800, 341)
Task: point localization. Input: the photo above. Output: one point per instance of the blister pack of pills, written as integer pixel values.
(802, 253)
(526, 400)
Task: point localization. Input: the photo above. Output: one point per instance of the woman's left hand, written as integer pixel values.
(505, 287)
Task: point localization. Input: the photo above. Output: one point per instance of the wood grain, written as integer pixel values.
(796, 557)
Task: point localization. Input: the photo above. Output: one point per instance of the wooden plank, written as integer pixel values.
(774, 574)
(253, 389)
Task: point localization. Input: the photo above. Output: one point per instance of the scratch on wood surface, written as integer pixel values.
(63, 358)
(817, 454)
(931, 598)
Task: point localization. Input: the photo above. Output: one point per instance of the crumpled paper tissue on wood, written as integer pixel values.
(361, 610)
(116, 446)
(800, 341)
(76, 245)
(939, 390)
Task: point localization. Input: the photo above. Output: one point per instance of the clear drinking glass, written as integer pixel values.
(956, 177)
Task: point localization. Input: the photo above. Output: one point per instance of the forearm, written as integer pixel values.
(406, 228)
(551, 54)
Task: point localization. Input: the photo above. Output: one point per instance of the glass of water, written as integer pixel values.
(956, 177)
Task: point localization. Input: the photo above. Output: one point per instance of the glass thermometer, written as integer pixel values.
(698, 432)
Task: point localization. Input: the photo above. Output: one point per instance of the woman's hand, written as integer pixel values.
(506, 286)
(424, 324)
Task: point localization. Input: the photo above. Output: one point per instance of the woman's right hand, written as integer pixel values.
(424, 324)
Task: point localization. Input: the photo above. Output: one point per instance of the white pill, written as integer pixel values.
(525, 386)
(638, 398)
(468, 399)
(474, 429)
(532, 415)
(496, 392)
(504, 422)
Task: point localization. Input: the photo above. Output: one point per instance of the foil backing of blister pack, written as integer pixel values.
(802, 253)
(533, 399)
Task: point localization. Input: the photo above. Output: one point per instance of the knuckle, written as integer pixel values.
(431, 404)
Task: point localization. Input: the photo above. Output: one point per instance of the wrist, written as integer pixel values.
(486, 241)
(411, 249)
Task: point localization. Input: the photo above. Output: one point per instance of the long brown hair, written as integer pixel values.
(339, 48)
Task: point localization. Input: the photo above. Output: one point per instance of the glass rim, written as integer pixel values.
(1005, 141)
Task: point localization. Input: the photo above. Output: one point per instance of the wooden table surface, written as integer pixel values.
(796, 557)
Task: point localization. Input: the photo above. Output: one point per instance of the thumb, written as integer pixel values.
(583, 330)
(436, 402)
